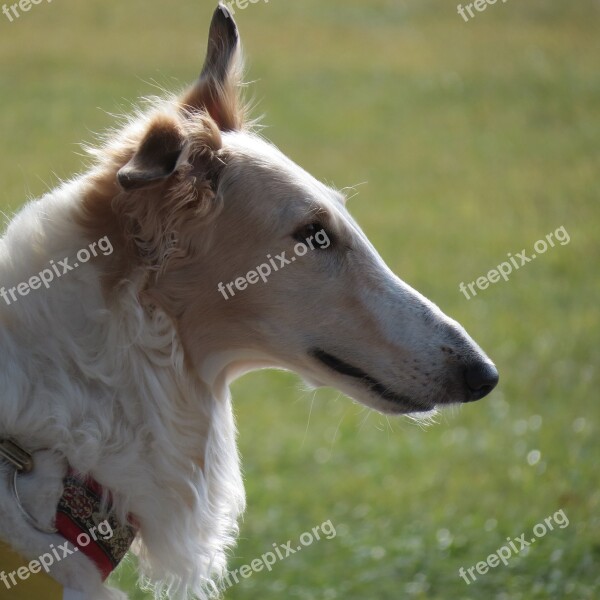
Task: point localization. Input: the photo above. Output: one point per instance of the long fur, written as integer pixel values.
(108, 389)
(99, 376)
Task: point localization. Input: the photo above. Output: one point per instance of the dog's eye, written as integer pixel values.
(307, 231)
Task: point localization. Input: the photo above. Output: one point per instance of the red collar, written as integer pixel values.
(82, 520)
(84, 515)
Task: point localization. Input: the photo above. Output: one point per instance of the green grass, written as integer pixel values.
(476, 139)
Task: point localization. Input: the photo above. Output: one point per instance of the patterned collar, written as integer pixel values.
(84, 515)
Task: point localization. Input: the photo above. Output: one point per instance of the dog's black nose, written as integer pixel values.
(481, 378)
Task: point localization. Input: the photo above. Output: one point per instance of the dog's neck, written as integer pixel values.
(108, 390)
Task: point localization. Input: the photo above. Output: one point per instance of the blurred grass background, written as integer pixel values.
(476, 139)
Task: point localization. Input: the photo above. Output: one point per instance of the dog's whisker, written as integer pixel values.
(353, 188)
(336, 431)
(312, 401)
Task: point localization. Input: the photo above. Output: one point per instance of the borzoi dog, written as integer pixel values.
(118, 344)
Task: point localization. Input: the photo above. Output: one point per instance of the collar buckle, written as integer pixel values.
(19, 458)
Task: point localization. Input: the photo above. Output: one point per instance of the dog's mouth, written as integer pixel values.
(376, 387)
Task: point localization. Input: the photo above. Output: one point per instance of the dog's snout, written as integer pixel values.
(481, 378)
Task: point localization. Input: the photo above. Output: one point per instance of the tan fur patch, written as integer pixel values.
(143, 225)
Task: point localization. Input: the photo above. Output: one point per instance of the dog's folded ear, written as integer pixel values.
(217, 90)
(156, 157)
(175, 169)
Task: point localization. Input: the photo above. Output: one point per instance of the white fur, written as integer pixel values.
(133, 424)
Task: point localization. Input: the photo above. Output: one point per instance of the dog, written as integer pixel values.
(191, 252)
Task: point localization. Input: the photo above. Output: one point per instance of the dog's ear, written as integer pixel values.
(156, 157)
(217, 90)
(185, 157)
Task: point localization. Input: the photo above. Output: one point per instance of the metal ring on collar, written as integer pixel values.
(30, 519)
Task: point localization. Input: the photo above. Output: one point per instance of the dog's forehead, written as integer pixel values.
(273, 174)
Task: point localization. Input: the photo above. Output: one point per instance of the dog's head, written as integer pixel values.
(259, 264)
